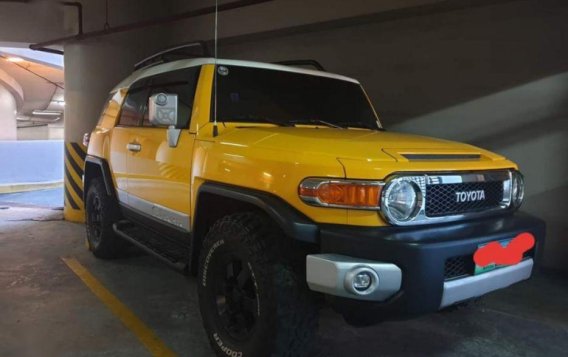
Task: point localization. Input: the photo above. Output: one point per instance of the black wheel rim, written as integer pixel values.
(236, 297)
(95, 219)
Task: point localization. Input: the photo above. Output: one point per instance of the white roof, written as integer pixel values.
(172, 66)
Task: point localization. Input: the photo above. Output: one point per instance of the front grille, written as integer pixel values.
(447, 197)
(441, 199)
(457, 267)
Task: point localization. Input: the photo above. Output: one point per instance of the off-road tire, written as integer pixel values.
(101, 212)
(285, 312)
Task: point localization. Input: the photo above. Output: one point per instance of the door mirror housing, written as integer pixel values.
(163, 110)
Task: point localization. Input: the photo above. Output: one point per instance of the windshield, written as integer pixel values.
(285, 98)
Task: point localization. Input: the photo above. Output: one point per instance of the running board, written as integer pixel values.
(173, 254)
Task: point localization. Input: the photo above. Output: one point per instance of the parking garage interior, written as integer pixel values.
(491, 73)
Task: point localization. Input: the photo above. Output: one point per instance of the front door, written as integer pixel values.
(159, 174)
(122, 139)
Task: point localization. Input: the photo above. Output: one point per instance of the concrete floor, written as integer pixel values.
(47, 311)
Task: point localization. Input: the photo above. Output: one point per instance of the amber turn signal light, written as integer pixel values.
(341, 193)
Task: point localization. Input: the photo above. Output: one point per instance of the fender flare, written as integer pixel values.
(292, 222)
(104, 168)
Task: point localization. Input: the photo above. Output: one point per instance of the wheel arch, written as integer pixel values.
(216, 200)
(97, 167)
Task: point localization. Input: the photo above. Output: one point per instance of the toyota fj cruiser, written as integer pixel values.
(278, 186)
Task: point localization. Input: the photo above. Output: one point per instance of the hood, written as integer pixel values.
(355, 144)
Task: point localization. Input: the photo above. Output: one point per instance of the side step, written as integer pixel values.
(172, 253)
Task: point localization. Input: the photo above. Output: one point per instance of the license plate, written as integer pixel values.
(480, 270)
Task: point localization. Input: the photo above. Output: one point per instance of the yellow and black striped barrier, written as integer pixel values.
(74, 208)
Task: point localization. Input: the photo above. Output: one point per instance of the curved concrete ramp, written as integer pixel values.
(12, 86)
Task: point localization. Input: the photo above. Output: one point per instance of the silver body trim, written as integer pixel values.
(134, 147)
(122, 196)
(474, 286)
(422, 180)
(164, 214)
(328, 273)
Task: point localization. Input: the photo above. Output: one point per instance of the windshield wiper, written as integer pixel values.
(257, 119)
(360, 124)
(276, 122)
(317, 121)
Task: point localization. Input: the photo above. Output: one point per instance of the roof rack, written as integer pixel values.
(174, 53)
(304, 62)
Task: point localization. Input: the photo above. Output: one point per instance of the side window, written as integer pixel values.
(105, 108)
(181, 82)
(133, 106)
(110, 111)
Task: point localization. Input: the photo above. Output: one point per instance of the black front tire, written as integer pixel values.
(253, 300)
(102, 212)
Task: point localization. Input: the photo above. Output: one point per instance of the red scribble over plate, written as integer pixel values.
(495, 253)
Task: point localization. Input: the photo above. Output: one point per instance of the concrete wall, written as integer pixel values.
(494, 76)
(44, 132)
(31, 161)
(32, 21)
(278, 15)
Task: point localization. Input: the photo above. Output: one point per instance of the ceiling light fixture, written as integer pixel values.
(14, 59)
(52, 113)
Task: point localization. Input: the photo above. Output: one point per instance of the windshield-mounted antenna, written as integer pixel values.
(215, 129)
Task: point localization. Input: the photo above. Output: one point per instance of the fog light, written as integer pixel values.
(362, 281)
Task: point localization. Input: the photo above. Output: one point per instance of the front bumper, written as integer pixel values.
(334, 274)
(466, 288)
(421, 254)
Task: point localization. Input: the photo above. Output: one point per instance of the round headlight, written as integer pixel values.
(401, 201)
(518, 189)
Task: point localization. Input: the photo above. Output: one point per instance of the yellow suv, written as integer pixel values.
(277, 185)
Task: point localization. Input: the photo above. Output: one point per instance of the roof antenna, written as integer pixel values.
(215, 129)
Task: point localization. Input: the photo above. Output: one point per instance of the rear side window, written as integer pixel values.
(133, 106)
(110, 111)
(181, 82)
(105, 108)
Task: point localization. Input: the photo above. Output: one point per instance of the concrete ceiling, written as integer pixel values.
(39, 83)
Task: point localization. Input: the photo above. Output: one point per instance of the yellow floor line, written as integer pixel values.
(128, 318)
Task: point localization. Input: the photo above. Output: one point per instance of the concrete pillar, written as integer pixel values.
(11, 99)
(8, 129)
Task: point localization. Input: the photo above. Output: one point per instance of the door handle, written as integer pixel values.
(134, 147)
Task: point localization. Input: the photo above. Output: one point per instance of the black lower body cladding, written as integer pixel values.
(421, 253)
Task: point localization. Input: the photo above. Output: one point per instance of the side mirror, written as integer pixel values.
(163, 111)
